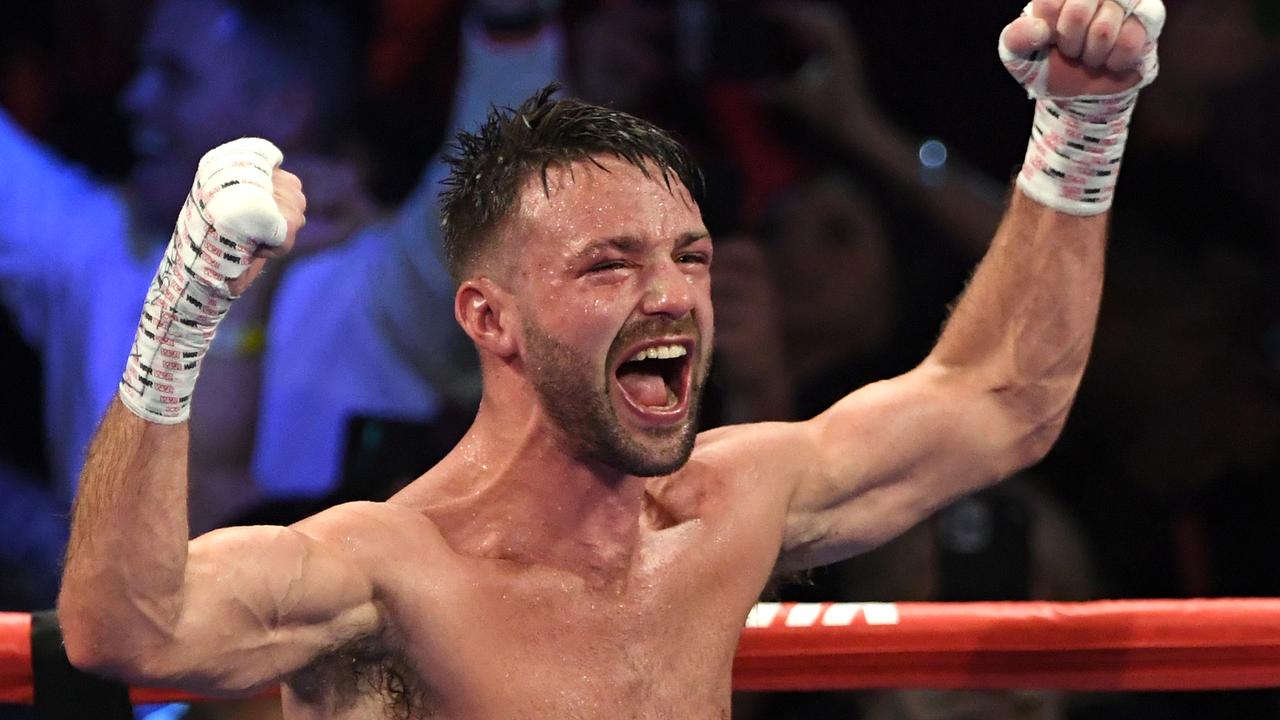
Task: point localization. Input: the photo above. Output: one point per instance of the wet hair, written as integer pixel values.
(489, 166)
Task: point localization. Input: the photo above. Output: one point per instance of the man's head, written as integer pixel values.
(214, 70)
(582, 266)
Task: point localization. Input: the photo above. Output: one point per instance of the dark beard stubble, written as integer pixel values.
(580, 405)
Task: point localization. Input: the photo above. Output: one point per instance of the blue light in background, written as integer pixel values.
(933, 154)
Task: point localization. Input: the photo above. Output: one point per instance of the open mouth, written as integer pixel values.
(655, 381)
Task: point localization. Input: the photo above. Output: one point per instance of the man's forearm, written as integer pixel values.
(225, 419)
(1024, 326)
(1022, 332)
(126, 560)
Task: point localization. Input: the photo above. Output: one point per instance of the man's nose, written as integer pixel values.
(668, 291)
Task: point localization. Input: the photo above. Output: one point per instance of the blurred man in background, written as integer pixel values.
(210, 71)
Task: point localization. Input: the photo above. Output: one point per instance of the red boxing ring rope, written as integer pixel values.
(1110, 645)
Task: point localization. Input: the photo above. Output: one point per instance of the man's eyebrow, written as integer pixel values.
(690, 238)
(631, 243)
(622, 243)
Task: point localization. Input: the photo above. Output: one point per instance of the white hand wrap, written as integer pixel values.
(1073, 159)
(230, 211)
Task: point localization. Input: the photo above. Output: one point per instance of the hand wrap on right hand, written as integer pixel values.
(230, 211)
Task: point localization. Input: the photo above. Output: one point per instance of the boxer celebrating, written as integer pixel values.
(582, 552)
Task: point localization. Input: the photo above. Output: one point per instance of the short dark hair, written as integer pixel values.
(489, 166)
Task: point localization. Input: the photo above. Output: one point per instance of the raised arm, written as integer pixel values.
(238, 608)
(994, 393)
(989, 400)
(230, 612)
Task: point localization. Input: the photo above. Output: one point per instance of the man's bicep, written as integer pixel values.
(888, 455)
(258, 604)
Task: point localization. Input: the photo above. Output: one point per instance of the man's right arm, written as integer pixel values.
(236, 609)
(232, 611)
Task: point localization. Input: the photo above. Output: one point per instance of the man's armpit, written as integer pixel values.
(368, 671)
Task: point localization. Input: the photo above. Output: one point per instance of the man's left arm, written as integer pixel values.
(993, 395)
(989, 399)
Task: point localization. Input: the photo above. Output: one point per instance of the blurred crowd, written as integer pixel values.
(858, 158)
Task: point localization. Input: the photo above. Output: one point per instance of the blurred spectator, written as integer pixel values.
(810, 314)
(76, 255)
(212, 70)
(1176, 443)
(386, 293)
(832, 95)
(840, 235)
(1168, 453)
(1175, 428)
(817, 311)
(62, 62)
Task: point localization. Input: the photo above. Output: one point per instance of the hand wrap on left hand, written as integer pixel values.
(1077, 143)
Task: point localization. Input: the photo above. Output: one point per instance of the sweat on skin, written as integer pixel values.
(534, 546)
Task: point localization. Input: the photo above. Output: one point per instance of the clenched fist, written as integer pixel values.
(1070, 48)
(1084, 62)
(242, 210)
(291, 204)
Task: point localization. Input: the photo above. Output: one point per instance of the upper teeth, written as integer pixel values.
(660, 352)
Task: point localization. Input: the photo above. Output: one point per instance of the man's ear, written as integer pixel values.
(487, 314)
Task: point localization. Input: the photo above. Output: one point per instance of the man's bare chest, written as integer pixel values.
(663, 632)
(659, 644)
(468, 635)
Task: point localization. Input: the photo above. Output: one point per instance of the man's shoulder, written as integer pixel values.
(732, 460)
(375, 529)
(728, 445)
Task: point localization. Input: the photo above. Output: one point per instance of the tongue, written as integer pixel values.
(645, 388)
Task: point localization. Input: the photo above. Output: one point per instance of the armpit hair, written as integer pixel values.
(360, 670)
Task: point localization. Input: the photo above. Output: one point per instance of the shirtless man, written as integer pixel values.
(581, 554)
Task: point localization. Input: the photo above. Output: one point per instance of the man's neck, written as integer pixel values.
(511, 490)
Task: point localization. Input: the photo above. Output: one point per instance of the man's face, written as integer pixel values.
(190, 94)
(611, 275)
